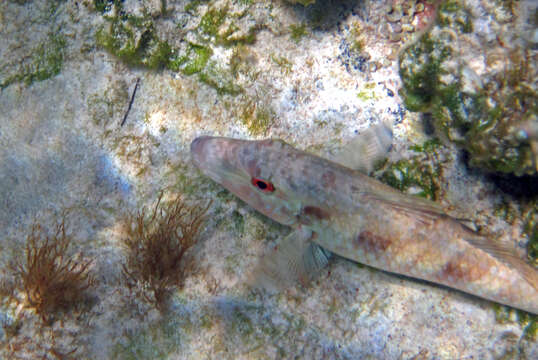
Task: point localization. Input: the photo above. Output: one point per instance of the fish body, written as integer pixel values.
(357, 217)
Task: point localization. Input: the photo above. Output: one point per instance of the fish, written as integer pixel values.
(333, 209)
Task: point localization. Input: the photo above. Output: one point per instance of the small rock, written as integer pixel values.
(395, 37)
(393, 16)
(396, 27)
(408, 28)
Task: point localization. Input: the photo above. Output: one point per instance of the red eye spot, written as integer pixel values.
(263, 185)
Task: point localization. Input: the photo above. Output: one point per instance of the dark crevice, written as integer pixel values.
(520, 187)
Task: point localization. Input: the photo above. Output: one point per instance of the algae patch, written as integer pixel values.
(220, 79)
(42, 63)
(483, 115)
(532, 246)
(530, 228)
(302, 2)
(297, 32)
(193, 61)
(134, 39)
(135, 42)
(528, 322)
(419, 175)
(257, 118)
(285, 65)
(157, 341)
(108, 106)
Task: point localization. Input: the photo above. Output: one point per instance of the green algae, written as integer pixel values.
(406, 174)
(530, 229)
(302, 2)
(157, 341)
(103, 6)
(532, 245)
(528, 213)
(367, 93)
(242, 324)
(416, 173)
(238, 222)
(509, 5)
(193, 5)
(421, 82)
(242, 61)
(185, 182)
(220, 79)
(20, 2)
(257, 118)
(46, 61)
(506, 212)
(134, 41)
(217, 26)
(193, 61)
(453, 14)
(429, 146)
(528, 322)
(212, 20)
(484, 122)
(107, 106)
(285, 65)
(298, 31)
(206, 322)
(484, 118)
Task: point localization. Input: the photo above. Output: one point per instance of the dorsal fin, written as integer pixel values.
(364, 150)
(429, 211)
(503, 252)
(388, 195)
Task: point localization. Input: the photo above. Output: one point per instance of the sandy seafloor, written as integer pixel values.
(63, 151)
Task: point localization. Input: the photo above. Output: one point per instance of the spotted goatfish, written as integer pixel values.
(335, 209)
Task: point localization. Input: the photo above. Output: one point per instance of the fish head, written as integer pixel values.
(258, 172)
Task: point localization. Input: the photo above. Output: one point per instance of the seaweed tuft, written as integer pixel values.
(51, 279)
(155, 248)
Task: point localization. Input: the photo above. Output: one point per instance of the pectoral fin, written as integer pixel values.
(296, 259)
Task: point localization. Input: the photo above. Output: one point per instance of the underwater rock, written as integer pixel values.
(315, 76)
(133, 38)
(477, 79)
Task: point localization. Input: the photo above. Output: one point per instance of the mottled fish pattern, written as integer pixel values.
(335, 209)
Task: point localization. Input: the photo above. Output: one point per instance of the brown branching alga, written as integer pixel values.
(50, 278)
(156, 244)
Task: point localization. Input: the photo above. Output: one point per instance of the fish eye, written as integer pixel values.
(263, 185)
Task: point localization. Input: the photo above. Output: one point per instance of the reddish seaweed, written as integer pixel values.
(51, 279)
(156, 245)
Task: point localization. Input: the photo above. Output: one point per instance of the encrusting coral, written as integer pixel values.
(155, 247)
(47, 274)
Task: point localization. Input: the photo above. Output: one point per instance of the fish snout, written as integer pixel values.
(198, 149)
